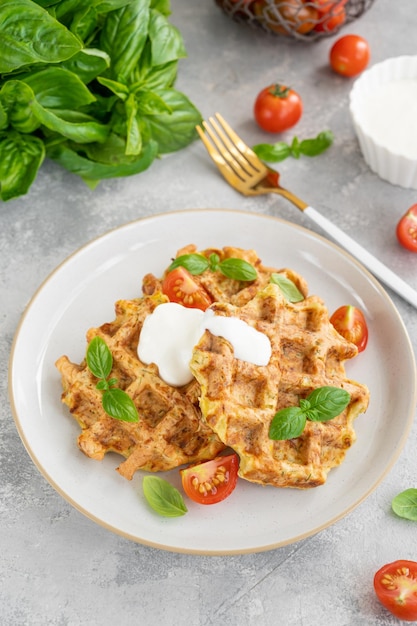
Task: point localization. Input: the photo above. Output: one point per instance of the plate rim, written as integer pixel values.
(184, 550)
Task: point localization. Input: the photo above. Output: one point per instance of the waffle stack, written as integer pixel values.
(229, 403)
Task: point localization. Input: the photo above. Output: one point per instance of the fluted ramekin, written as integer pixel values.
(390, 159)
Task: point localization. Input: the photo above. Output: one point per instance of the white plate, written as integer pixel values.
(81, 293)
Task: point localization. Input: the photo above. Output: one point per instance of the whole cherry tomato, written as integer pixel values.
(331, 18)
(295, 16)
(277, 108)
(395, 585)
(407, 229)
(349, 55)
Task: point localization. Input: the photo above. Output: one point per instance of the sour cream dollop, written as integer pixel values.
(170, 333)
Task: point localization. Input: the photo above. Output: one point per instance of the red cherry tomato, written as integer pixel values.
(295, 15)
(181, 287)
(407, 229)
(349, 55)
(395, 585)
(331, 19)
(325, 6)
(212, 481)
(349, 321)
(277, 108)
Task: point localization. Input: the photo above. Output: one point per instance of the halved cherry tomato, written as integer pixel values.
(349, 55)
(349, 321)
(212, 481)
(180, 286)
(407, 229)
(277, 108)
(395, 585)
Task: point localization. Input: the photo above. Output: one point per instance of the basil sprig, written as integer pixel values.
(321, 405)
(405, 504)
(116, 402)
(288, 288)
(163, 497)
(276, 152)
(237, 269)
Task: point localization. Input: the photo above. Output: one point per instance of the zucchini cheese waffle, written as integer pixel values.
(229, 402)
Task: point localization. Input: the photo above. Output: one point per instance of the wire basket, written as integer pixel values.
(303, 20)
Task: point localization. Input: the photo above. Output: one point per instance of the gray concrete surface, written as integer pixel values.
(58, 568)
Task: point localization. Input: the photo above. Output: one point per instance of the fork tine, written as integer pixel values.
(242, 146)
(229, 150)
(225, 169)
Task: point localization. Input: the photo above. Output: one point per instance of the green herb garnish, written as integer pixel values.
(91, 86)
(405, 504)
(276, 152)
(116, 402)
(237, 269)
(288, 288)
(163, 497)
(322, 405)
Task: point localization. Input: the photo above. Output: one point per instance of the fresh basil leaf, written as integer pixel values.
(150, 77)
(81, 132)
(327, 402)
(288, 288)
(287, 423)
(295, 148)
(119, 89)
(99, 168)
(87, 64)
(238, 269)
(150, 103)
(163, 497)
(276, 152)
(133, 134)
(41, 38)
(21, 156)
(195, 263)
(104, 6)
(272, 153)
(123, 37)
(84, 22)
(99, 358)
(119, 405)
(214, 261)
(163, 6)
(102, 384)
(16, 98)
(58, 88)
(314, 147)
(176, 129)
(405, 504)
(166, 41)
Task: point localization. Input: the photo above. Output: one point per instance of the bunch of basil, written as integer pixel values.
(89, 85)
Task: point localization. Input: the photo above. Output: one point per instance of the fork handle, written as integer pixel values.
(377, 268)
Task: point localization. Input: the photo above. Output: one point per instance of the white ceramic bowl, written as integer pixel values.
(383, 106)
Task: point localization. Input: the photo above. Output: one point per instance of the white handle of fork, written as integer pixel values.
(377, 268)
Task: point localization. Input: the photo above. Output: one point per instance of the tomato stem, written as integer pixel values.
(280, 91)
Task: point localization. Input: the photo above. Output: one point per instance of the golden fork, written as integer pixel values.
(244, 171)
